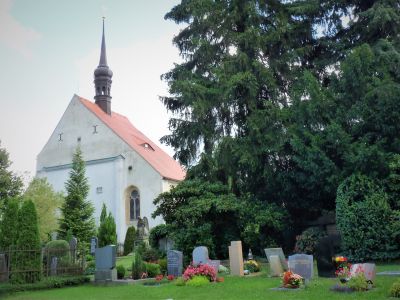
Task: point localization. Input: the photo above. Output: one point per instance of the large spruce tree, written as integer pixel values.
(77, 211)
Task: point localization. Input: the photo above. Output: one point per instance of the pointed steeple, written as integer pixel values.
(102, 79)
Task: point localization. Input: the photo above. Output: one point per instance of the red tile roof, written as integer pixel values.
(164, 164)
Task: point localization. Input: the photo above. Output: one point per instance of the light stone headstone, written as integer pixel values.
(53, 266)
(215, 264)
(174, 262)
(368, 269)
(3, 268)
(93, 245)
(72, 246)
(236, 258)
(105, 263)
(200, 255)
(279, 252)
(275, 266)
(303, 265)
(54, 235)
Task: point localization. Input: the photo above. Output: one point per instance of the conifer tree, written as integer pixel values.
(107, 230)
(77, 211)
(28, 256)
(129, 240)
(9, 224)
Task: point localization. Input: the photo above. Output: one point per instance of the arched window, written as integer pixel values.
(134, 205)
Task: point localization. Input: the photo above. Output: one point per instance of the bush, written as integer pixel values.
(365, 220)
(395, 289)
(150, 255)
(204, 270)
(198, 280)
(28, 263)
(163, 265)
(308, 240)
(90, 267)
(157, 233)
(138, 267)
(358, 282)
(129, 240)
(49, 283)
(180, 281)
(252, 266)
(152, 269)
(59, 249)
(107, 230)
(120, 272)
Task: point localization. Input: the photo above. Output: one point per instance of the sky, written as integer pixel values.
(49, 50)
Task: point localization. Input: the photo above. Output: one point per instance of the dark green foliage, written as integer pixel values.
(138, 267)
(58, 248)
(120, 272)
(107, 231)
(395, 289)
(9, 224)
(48, 283)
(196, 211)
(77, 211)
(129, 240)
(308, 240)
(10, 184)
(150, 255)
(157, 233)
(28, 264)
(163, 265)
(365, 220)
(152, 269)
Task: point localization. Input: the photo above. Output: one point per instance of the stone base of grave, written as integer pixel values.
(105, 275)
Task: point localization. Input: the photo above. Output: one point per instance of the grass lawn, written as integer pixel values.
(257, 287)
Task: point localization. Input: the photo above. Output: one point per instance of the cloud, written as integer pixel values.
(13, 34)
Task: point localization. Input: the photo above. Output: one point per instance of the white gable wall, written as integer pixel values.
(108, 159)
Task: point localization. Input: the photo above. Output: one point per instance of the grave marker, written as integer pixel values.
(105, 263)
(279, 252)
(275, 265)
(174, 262)
(3, 268)
(200, 255)
(93, 245)
(236, 258)
(302, 264)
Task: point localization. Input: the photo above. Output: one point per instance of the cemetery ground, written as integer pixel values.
(247, 287)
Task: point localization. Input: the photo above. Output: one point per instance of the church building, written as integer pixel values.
(126, 171)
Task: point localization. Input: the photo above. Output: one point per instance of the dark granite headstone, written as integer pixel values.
(326, 249)
(174, 262)
(105, 263)
(93, 245)
(53, 266)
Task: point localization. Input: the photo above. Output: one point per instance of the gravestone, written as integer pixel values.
(72, 246)
(275, 266)
(215, 264)
(236, 258)
(54, 235)
(279, 252)
(200, 255)
(250, 255)
(325, 250)
(302, 264)
(174, 262)
(105, 263)
(3, 268)
(93, 245)
(368, 269)
(53, 266)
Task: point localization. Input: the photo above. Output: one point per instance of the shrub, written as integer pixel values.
(198, 280)
(252, 266)
(163, 265)
(120, 272)
(308, 240)
(28, 263)
(129, 240)
(138, 267)
(157, 233)
(365, 220)
(150, 255)
(152, 269)
(90, 267)
(358, 282)
(59, 249)
(180, 281)
(9, 224)
(395, 289)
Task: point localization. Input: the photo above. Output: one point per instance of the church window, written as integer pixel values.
(99, 190)
(60, 137)
(134, 205)
(95, 128)
(103, 90)
(78, 139)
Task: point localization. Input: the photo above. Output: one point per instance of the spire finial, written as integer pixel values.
(103, 54)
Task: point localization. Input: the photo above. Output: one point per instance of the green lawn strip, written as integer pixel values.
(126, 261)
(257, 287)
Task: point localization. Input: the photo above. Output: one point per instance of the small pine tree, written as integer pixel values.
(77, 212)
(129, 240)
(107, 230)
(9, 224)
(28, 262)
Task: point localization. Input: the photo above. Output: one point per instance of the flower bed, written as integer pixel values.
(199, 270)
(291, 280)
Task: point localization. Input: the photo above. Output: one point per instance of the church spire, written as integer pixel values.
(102, 80)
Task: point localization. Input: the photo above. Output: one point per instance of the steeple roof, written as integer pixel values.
(103, 54)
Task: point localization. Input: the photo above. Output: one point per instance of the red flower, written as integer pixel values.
(159, 277)
(170, 277)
